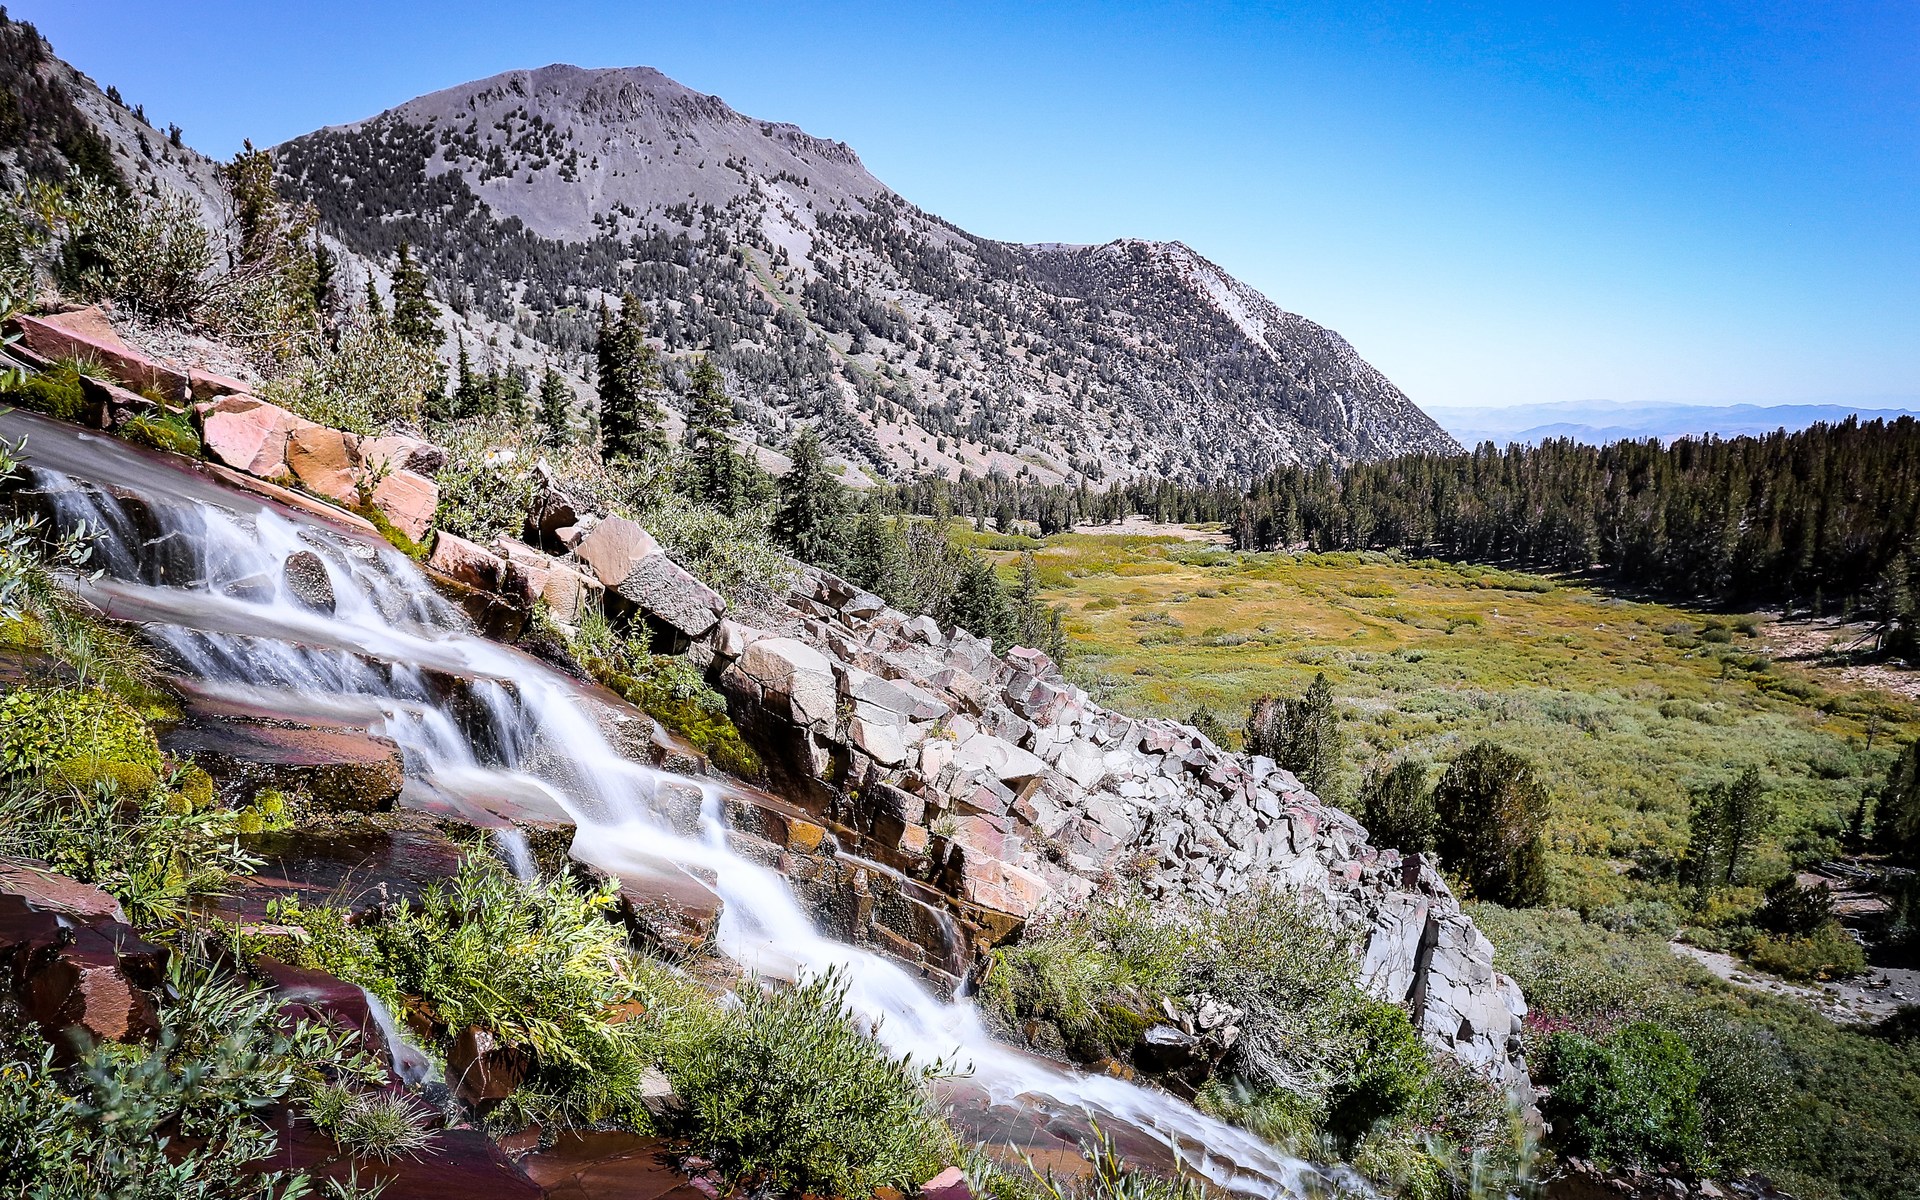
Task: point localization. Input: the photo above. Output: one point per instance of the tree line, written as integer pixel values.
(1822, 520)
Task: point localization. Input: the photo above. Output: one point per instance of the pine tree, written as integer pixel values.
(1302, 735)
(810, 514)
(980, 604)
(1036, 623)
(556, 409)
(513, 394)
(376, 311)
(1492, 813)
(1896, 816)
(716, 471)
(630, 417)
(1397, 809)
(414, 318)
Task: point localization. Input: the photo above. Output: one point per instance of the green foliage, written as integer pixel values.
(556, 409)
(366, 379)
(812, 504)
(56, 392)
(1492, 810)
(1724, 829)
(538, 966)
(181, 1119)
(1825, 952)
(1397, 809)
(789, 1090)
(1391, 1072)
(717, 475)
(415, 321)
(162, 430)
(44, 728)
(668, 689)
(1302, 734)
(1106, 1177)
(1896, 822)
(148, 252)
(1629, 1100)
(487, 483)
(150, 848)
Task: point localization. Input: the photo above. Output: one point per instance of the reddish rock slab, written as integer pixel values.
(49, 892)
(86, 334)
(67, 973)
(317, 996)
(207, 385)
(247, 434)
(466, 563)
(664, 905)
(356, 871)
(408, 501)
(608, 1166)
(345, 769)
(459, 1164)
(297, 501)
(482, 1070)
(325, 461)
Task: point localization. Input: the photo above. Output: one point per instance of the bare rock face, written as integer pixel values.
(409, 501)
(247, 434)
(86, 334)
(484, 1071)
(629, 563)
(325, 461)
(68, 960)
(467, 563)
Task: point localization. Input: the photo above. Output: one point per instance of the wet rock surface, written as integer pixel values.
(72, 965)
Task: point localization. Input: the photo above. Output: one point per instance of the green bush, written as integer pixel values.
(149, 253)
(788, 1090)
(162, 431)
(1390, 1074)
(1492, 811)
(1630, 1100)
(369, 381)
(56, 392)
(1825, 953)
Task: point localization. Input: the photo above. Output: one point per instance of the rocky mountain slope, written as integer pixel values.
(826, 297)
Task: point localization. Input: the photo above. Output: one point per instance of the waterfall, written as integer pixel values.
(221, 604)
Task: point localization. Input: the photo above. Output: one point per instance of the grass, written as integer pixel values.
(1624, 706)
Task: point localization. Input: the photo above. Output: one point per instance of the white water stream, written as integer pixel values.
(213, 593)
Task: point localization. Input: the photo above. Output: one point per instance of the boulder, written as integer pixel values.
(466, 563)
(795, 680)
(306, 578)
(325, 461)
(86, 334)
(950, 1184)
(408, 501)
(47, 892)
(402, 452)
(247, 434)
(614, 548)
(207, 385)
(664, 590)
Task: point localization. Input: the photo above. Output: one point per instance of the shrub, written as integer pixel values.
(55, 392)
(487, 483)
(151, 851)
(791, 1092)
(180, 1118)
(1302, 734)
(368, 381)
(1825, 953)
(1389, 1074)
(148, 252)
(1631, 1100)
(666, 688)
(162, 431)
(1492, 810)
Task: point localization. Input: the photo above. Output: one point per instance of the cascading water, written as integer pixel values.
(220, 602)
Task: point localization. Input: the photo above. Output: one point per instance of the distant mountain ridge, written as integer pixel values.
(913, 344)
(1598, 422)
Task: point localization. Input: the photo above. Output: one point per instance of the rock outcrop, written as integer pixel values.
(900, 729)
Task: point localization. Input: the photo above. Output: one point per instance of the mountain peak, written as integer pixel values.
(916, 346)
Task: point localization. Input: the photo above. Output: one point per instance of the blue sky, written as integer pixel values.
(1495, 203)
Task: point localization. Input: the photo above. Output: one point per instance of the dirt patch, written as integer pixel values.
(1871, 997)
(1139, 526)
(1823, 644)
